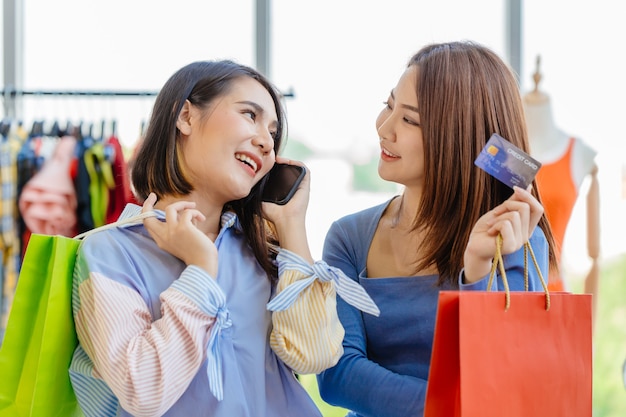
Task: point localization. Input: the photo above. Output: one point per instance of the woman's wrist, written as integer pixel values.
(293, 237)
(475, 269)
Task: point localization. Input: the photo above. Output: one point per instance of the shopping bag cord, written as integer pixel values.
(498, 264)
(124, 222)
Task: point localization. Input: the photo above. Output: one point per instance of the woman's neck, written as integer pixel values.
(212, 212)
(405, 209)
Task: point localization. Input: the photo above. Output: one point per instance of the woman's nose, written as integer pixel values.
(384, 127)
(265, 141)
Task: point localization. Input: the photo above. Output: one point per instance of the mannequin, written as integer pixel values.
(567, 161)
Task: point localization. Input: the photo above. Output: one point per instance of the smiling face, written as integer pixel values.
(401, 140)
(228, 146)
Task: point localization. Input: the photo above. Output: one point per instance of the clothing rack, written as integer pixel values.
(10, 94)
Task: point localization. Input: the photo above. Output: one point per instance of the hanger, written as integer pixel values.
(102, 130)
(5, 128)
(90, 130)
(76, 130)
(55, 130)
(37, 129)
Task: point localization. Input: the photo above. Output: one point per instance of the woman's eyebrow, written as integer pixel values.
(409, 107)
(257, 108)
(404, 106)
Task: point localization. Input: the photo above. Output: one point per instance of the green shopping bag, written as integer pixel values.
(40, 338)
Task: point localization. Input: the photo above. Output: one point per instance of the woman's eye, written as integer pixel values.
(387, 104)
(411, 122)
(251, 113)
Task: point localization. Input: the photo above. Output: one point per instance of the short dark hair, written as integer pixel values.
(157, 165)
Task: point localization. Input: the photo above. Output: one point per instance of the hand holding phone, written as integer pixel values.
(282, 183)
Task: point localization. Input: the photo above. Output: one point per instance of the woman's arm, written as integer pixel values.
(514, 265)
(357, 383)
(514, 220)
(307, 334)
(147, 363)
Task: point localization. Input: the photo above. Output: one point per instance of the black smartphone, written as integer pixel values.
(282, 182)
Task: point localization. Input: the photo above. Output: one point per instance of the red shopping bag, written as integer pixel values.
(517, 354)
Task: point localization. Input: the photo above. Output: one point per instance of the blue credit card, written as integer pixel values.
(508, 163)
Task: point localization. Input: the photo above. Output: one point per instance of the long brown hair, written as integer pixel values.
(157, 167)
(465, 94)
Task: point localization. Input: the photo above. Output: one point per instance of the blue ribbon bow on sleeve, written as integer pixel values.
(349, 290)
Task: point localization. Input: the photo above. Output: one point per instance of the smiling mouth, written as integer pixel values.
(247, 160)
(386, 152)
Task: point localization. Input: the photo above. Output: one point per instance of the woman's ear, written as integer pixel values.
(183, 123)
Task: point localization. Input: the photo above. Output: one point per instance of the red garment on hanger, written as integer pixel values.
(121, 194)
(48, 201)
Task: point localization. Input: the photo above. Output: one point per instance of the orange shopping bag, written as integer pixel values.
(513, 354)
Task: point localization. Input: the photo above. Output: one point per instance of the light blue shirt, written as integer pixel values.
(255, 381)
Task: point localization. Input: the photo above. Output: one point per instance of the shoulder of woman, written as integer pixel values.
(368, 214)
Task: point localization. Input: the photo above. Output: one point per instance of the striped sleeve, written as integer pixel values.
(307, 335)
(147, 364)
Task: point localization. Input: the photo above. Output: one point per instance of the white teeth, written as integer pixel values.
(386, 152)
(247, 160)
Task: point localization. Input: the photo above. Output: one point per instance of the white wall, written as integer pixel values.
(341, 58)
(580, 44)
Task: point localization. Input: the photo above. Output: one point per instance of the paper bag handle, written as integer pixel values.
(124, 222)
(498, 263)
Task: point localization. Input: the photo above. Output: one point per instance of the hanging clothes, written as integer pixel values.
(67, 195)
(81, 183)
(121, 194)
(48, 200)
(11, 142)
(100, 181)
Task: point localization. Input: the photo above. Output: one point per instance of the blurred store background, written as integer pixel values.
(336, 61)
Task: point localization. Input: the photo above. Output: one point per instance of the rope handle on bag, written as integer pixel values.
(124, 222)
(498, 263)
